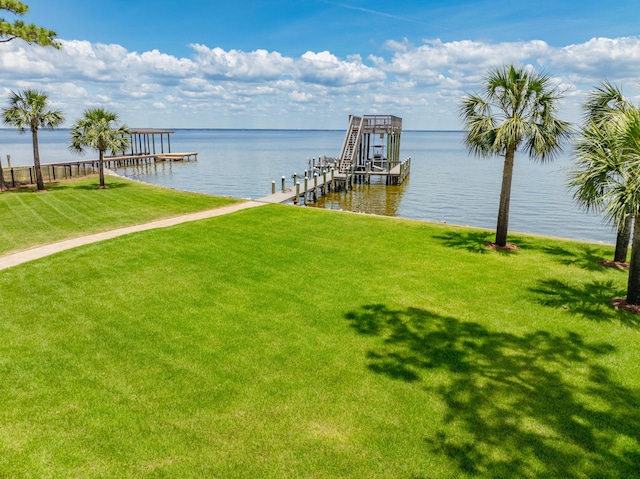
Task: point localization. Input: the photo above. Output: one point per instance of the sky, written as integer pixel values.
(309, 64)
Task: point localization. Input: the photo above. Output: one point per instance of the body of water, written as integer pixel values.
(446, 184)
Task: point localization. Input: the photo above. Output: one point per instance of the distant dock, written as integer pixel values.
(147, 145)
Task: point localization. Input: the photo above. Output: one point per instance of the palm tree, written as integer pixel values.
(98, 130)
(603, 104)
(600, 169)
(606, 177)
(517, 108)
(30, 109)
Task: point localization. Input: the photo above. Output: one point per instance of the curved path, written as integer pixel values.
(41, 251)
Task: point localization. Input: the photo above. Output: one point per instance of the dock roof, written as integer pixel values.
(149, 131)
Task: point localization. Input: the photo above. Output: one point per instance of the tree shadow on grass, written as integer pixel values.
(96, 186)
(472, 241)
(586, 257)
(591, 300)
(476, 241)
(531, 406)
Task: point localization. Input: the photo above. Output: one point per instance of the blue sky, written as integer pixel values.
(310, 63)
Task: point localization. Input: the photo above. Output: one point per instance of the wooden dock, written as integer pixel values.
(371, 148)
(309, 188)
(136, 159)
(145, 148)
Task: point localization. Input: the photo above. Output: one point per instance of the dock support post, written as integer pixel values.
(315, 187)
(306, 188)
(283, 185)
(273, 187)
(297, 197)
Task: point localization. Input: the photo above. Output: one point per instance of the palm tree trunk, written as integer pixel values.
(633, 284)
(622, 240)
(36, 159)
(101, 168)
(505, 198)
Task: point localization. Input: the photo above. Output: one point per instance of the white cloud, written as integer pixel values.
(300, 96)
(327, 69)
(232, 88)
(217, 63)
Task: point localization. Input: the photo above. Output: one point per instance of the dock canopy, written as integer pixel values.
(143, 141)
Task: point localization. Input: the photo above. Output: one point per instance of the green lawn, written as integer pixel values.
(291, 342)
(77, 207)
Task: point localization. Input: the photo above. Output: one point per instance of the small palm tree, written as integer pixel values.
(30, 109)
(516, 109)
(98, 130)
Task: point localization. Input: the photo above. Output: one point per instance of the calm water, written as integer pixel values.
(446, 184)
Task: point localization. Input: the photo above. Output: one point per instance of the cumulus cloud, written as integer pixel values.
(424, 80)
(327, 69)
(260, 65)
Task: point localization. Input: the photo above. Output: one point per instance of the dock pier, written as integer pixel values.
(371, 148)
(143, 149)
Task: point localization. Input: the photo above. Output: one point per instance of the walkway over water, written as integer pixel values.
(371, 148)
(326, 179)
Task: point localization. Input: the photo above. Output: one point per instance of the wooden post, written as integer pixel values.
(315, 187)
(283, 185)
(9, 161)
(273, 187)
(306, 188)
(297, 197)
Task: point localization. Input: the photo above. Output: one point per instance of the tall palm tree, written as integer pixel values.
(98, 130)
(517, 108)
(603, 105)
(30, 109)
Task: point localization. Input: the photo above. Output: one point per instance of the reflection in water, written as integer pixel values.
(375, 198)
(155, 170)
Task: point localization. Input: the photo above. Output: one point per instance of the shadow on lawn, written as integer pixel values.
(586, 257)
(95, 186)
(532, 405)
(474, 241)
(591, 300)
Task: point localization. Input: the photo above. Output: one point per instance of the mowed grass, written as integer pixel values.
(78, 207)
(289, 342)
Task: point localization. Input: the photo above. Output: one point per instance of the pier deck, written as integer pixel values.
(316, 186)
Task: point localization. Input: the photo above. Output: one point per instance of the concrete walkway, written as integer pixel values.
(49, 249)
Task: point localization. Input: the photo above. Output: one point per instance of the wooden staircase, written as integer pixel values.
(349, 152)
